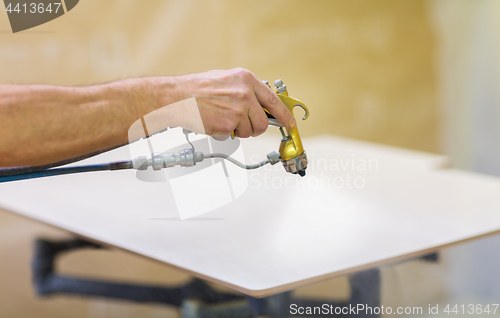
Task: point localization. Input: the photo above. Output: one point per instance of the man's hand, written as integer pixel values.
(232, 100)
(41, 124)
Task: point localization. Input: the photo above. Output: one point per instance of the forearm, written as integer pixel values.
(40, 124)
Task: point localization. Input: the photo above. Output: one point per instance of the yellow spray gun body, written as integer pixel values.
(292, 153)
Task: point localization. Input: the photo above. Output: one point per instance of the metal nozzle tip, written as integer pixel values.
(302, 172)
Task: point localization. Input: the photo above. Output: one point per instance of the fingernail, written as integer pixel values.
(292, 124)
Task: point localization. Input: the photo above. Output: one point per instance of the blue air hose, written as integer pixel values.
(62, 171)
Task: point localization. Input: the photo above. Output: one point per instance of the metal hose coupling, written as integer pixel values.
(185, 158)
(189, 158)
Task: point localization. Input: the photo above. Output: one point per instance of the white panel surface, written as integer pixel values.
(283, 231)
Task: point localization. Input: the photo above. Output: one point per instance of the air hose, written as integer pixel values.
(158, 161)
(12, 171)
(5, 172)
(236, 162)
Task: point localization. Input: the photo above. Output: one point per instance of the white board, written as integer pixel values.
(292, 232)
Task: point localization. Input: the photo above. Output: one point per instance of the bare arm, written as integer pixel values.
(40, 124)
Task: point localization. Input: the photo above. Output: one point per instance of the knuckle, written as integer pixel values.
(244, 134)
(225, 127)
(274, 100)
(242, 94)
(261, 127)
(238, 111)
(260, 124)
(238, 69)
(243, 73)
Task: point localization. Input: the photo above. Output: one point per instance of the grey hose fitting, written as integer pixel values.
(140, 163)
(274, 157)
(189, 158)
(185, 158)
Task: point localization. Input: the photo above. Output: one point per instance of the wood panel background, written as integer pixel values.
(364, 68)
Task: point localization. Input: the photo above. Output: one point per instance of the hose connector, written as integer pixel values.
(189, 158)
(274, 157)
(185, 158)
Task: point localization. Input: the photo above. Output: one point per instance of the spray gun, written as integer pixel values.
(291, 152)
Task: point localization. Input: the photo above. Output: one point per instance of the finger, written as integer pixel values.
(258, 119)
(220, 137)
(244, 128)
(268, 99)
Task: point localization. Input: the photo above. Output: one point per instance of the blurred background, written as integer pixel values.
(419, 74)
